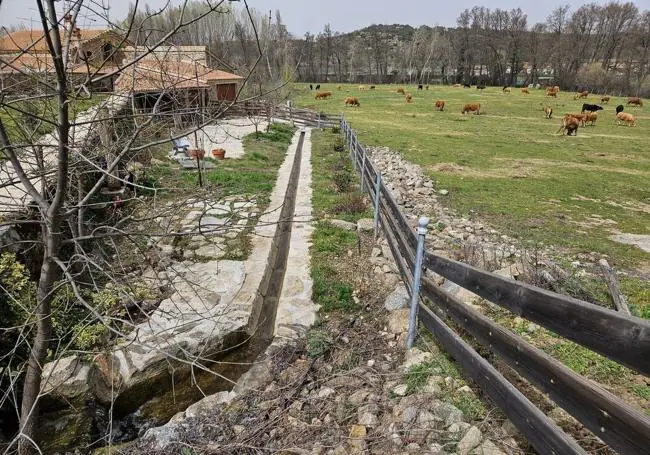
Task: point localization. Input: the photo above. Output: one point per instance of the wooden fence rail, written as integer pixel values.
(623, 338)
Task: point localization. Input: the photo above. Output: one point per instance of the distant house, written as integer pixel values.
(25, 58)
(175, 75)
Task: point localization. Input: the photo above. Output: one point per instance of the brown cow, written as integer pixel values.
(409, 98)
(440, 105)
(548, 111)
(579, 117)
(476, 107)
(591, 117)
(604, 99)
(525, 91)
(352, 101)
(457, 86)
(323, 95)
(635, 101)
(556, 89)
(506, 89)
(627, 118)
(569, 124)
(582, 94)
(551, 92)
(362, 87)
(400, 91)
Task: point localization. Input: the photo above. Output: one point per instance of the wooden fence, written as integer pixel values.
(620, 337)
(300, 117)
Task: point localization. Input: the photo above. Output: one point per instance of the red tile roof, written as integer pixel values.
(35, 42)
(152, 75)
(44, 63)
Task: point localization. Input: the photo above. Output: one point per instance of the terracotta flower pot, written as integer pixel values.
(218, 154)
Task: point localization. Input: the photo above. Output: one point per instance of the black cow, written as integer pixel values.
(311, 87)
(591, 108)
(318, 87)
(480, 87)
(420, 87)
(619, 109)
(466, 85)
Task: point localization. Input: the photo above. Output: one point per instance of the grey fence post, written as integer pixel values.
(417, 275)
(363, 170)
(319, 120)
(377, 194)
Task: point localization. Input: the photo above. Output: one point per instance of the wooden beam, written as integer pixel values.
(620, 337)
(533, 424)
(612, 284)
(626, 430)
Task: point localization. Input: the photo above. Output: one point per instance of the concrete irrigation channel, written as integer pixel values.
(256, 309)
(261, 327)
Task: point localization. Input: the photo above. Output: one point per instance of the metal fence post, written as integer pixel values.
(377, 193)
(417, 275)
(363, 170)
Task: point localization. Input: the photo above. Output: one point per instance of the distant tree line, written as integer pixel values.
(601, 47)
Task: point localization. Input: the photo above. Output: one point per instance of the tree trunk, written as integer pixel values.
(32, 386)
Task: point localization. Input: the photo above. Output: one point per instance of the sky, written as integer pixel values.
(302, 16)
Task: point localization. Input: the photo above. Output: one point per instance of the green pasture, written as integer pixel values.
(510, 167)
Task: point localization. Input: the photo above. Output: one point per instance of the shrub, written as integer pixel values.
(339, 144)
(351, 203)
(342, 180)
(336, 130)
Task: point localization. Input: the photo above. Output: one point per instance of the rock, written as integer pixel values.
(210, 251)
(410, 414)
(457, 430)
(398, 321)
(398, 299)
(513, 271)
(413, 448)
(447, 411)
(400, 390)
(471, 440)
(487, 448)
(390, 280)
(357, 439)
(326, 392)
(437, 449)
(433, 385)
(414, 357)
(376, 252)
(509, 428)
(444, 192)
(450, 382)
(209, 403)
(368, 419)
(466, 390)
(366, 225)
(68, 377)
(358, 397)
(532, 327)
(338, 450)
(343, 225)
(427, 420)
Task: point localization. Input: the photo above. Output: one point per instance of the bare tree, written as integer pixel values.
(65, 172)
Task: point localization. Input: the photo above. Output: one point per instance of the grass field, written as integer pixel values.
(510, 167)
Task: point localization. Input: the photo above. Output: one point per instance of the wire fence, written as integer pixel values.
(620, 337)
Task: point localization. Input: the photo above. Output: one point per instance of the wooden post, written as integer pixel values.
(612, 284)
